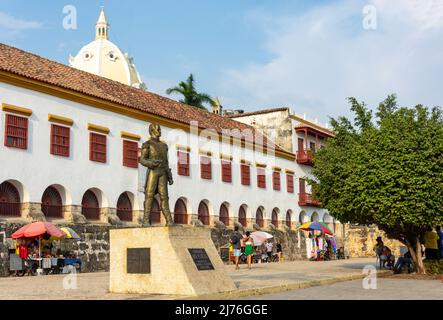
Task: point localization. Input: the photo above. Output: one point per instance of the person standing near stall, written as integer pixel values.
(249, 248)
(235, 241)
(279, 251)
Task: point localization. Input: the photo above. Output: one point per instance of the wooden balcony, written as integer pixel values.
(305, 157)
(305, 199)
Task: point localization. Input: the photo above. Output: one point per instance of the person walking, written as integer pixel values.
(431, 245)
(249, 248)
(235, 241)
(279, 251)
(269, 247)
(440, 241)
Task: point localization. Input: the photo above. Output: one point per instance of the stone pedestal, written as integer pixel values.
(157, 260)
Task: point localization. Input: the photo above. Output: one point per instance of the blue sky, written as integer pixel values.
(309, 55)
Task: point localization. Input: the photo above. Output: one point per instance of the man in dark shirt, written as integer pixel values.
(235, 241)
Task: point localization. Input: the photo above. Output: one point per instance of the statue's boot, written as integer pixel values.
(167, 212)
(147, 213)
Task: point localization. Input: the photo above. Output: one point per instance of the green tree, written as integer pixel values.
(190, 95)
(385, 170)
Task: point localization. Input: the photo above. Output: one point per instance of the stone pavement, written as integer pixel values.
(262, 279)
(387, 289)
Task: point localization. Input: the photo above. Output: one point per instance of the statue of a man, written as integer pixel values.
(154, 156)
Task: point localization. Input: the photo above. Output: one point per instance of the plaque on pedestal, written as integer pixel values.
(166, 260)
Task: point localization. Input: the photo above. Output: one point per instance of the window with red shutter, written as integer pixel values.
(290, 183)
(301, 183)
(226, 167)
(60, 140)
(205, 168)
(276, 180)
(245, 174)
(183, 163)
(97, 147)
(130, 154)
(261, 178)
(16, 132)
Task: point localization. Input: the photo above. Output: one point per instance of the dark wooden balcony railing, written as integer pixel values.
(305, 157)
(52, 211)
(10, 209)
(305, 199)
(91, 213)
(126, 214)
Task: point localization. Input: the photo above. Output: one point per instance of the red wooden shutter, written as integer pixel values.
(301, 146)
(97, 147)
(276, 180)
(183, 163)
(60, 140)
(130, 154)
(16, 132)
(290, 183)
(205, 167)
(245, 174)
(302, 186)
(226, 171)
(261, 178)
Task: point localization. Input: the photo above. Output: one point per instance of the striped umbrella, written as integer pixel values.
(310, 226)
(70, 233)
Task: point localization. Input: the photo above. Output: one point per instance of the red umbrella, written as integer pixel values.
(38, 229)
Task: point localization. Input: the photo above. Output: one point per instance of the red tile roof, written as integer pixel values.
(31, 66)
(252, 113)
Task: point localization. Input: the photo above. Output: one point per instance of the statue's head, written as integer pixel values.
(154, 130)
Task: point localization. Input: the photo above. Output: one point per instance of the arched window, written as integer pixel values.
(155, 212)
(259, 217)
(52, 206)
(90, 206)
(274, 218)
(224, 214)
(9, 200)
(314, 217)
(288, 219)
(180, 212)
(124, 208)
(203, 213)
(242, 216)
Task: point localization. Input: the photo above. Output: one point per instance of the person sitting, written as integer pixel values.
(387, 259)
(406, 260)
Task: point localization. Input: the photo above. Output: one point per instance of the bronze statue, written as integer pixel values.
(154, 156)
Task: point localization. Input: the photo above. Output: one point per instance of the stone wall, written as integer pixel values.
(360, 241)
(93, 248)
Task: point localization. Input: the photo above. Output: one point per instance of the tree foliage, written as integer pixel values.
(190, 95)
(385, 170)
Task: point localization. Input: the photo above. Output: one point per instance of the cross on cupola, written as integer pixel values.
(102, 26)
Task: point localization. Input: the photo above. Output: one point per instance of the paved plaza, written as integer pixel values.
(264, 281)
(387, 289)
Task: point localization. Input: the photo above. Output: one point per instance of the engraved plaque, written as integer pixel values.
(201, 259)
(138, 260)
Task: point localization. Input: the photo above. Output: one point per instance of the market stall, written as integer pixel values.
(33, 254)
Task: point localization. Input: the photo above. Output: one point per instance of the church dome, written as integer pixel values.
(104, 58)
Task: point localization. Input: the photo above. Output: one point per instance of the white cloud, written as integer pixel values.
(11, 23)
(323, 56)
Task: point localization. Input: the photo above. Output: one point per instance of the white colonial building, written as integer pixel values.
(72, 135)
(70, 147)
(303, 138)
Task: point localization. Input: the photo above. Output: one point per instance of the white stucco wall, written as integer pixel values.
(34, 169)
